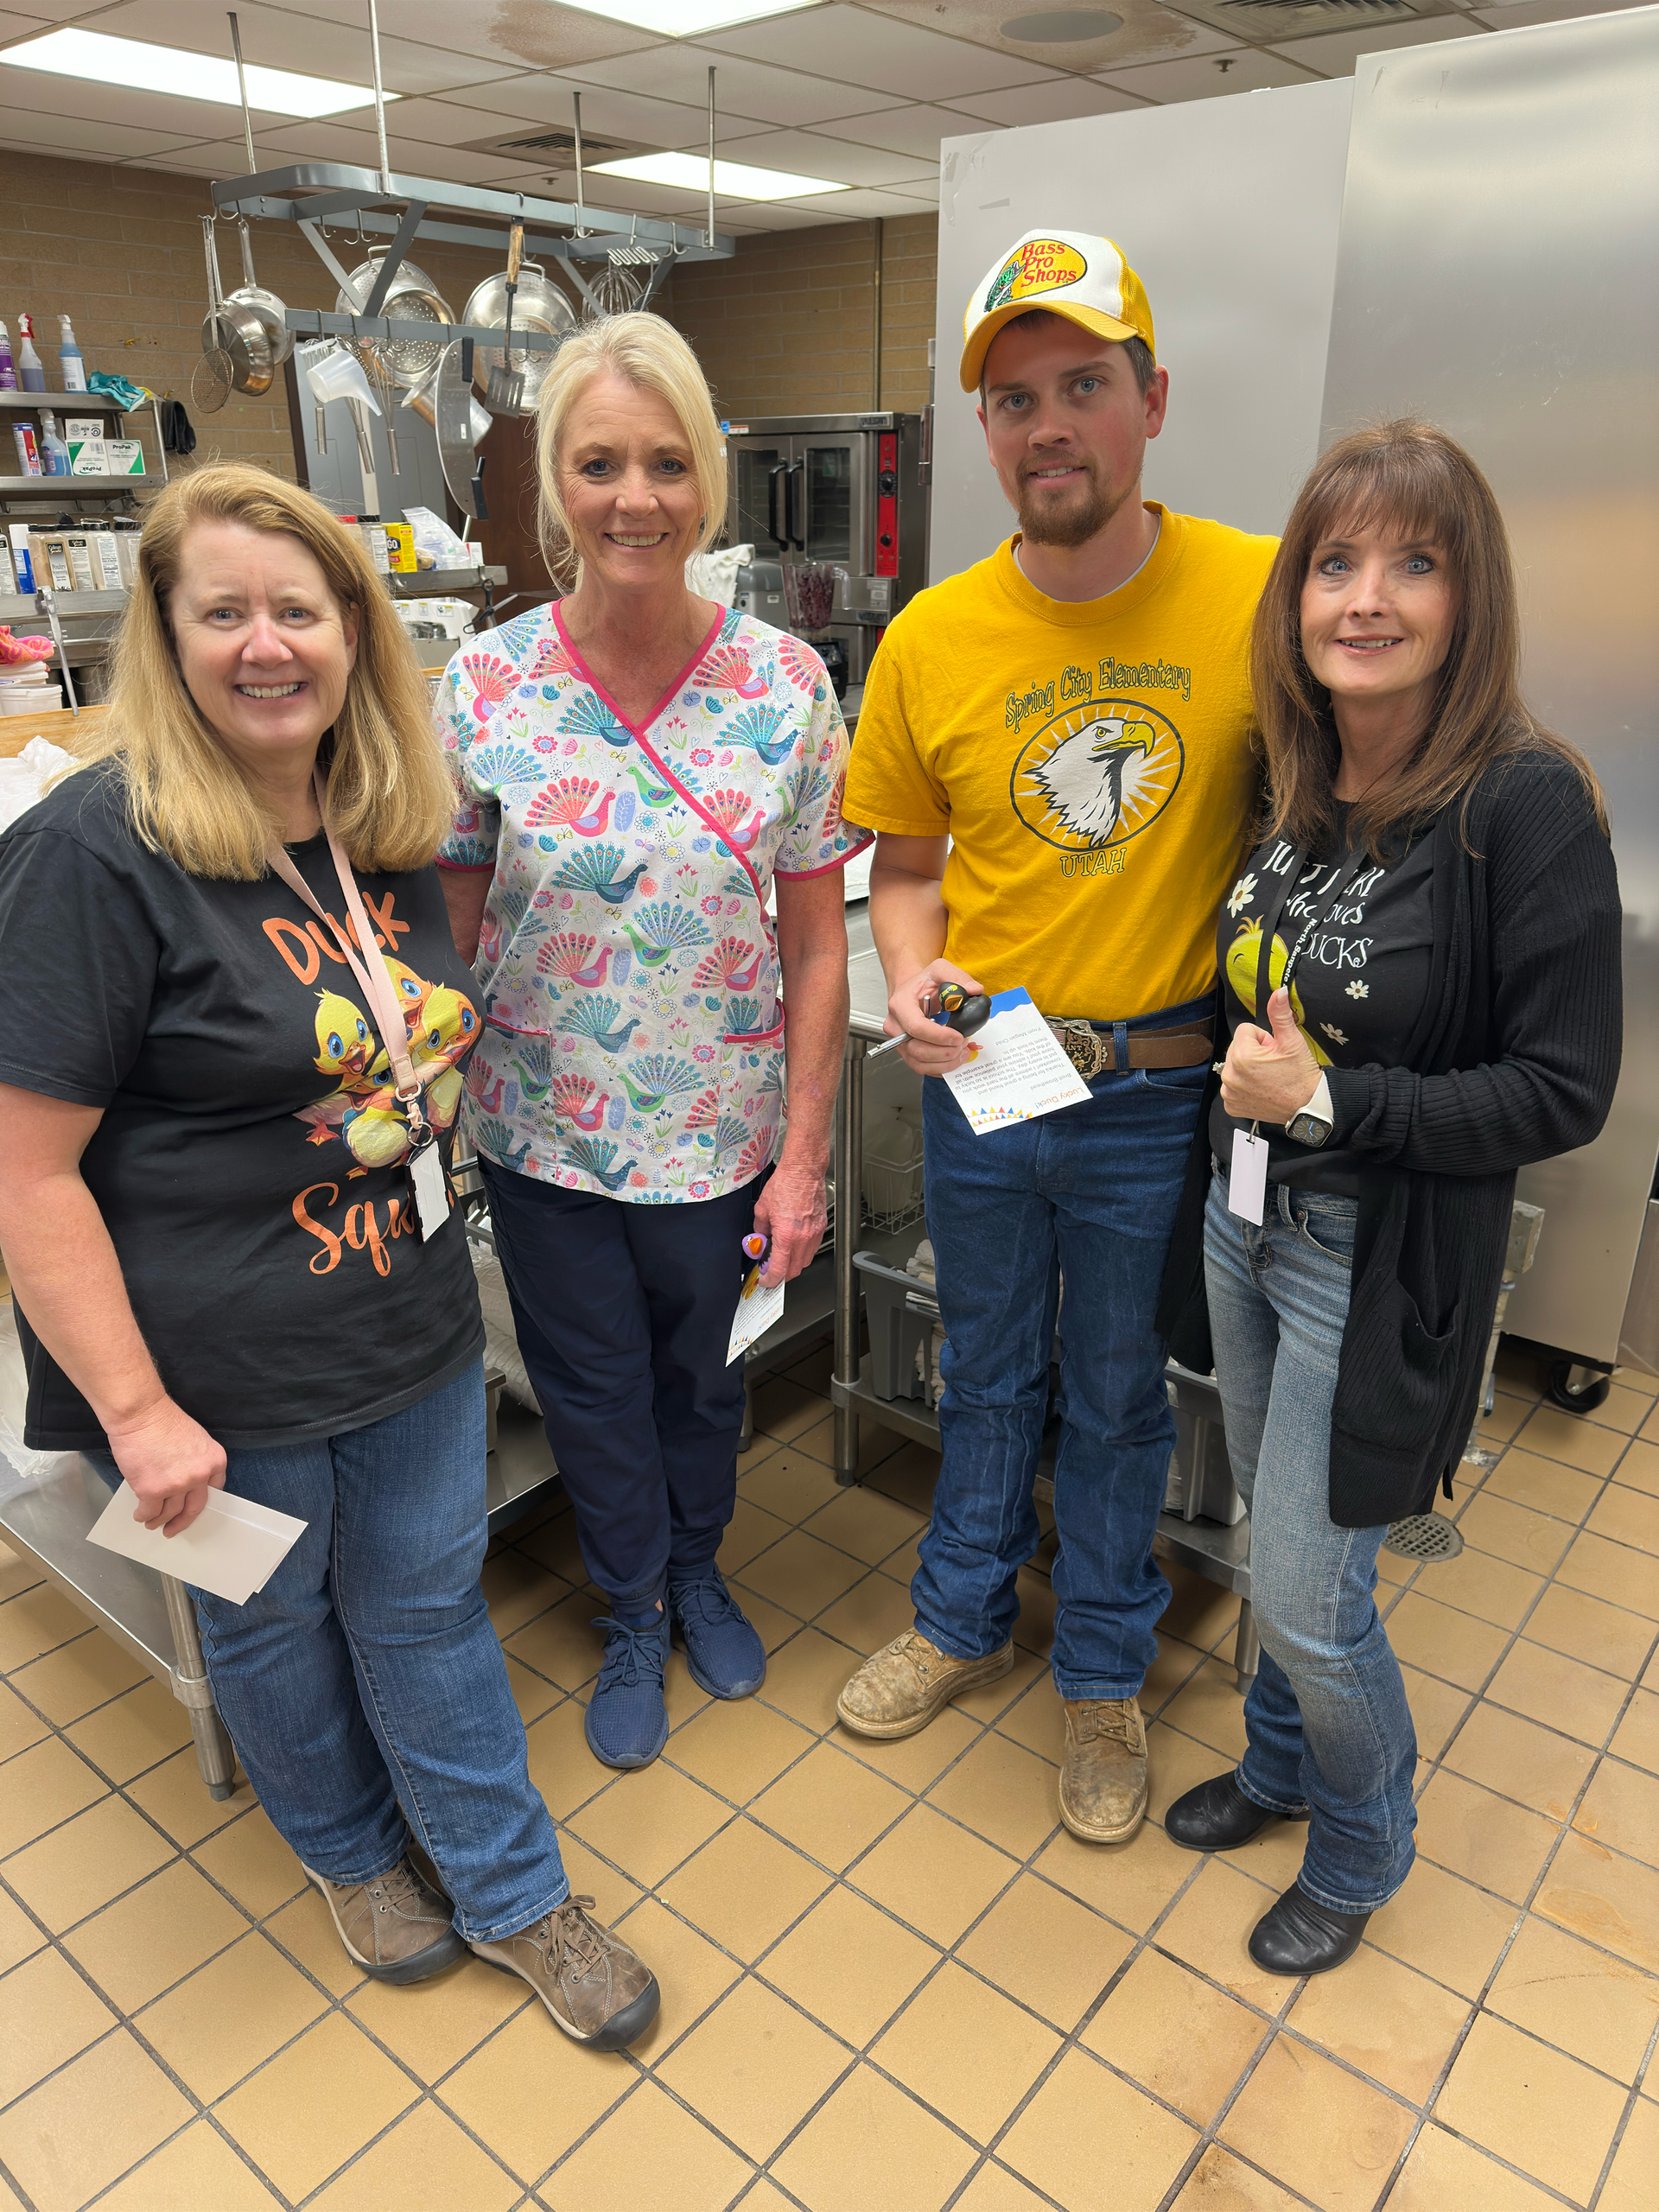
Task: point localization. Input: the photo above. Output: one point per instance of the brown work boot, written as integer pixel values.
(909, 1683)
(398, 1928)
(1103, 1777)
(596, 1987)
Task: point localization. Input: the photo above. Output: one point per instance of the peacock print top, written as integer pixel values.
(632, 1039)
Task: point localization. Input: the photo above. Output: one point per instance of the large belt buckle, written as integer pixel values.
(1090, 1052)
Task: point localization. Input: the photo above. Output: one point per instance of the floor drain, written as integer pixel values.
(1423, 1537)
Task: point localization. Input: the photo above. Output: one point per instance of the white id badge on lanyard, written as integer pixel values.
(1247, 1182)
(428, 1189)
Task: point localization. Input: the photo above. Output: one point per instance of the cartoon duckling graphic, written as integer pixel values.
(450, 1024)
(345, 1041)
(1243, 958)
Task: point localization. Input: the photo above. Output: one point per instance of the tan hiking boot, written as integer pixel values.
(1103, 1776)
(398, 1928)
(912, 1680)
(596, 1987)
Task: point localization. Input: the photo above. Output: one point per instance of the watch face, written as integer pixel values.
(1308, 1129)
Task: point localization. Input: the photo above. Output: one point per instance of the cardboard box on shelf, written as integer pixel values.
(126, 456)
(89, 457)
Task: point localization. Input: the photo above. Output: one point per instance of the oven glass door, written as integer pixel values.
(835, 472)
(761, 504)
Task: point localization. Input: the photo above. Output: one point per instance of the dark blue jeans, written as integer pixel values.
(624, 1314)
(364, 1687)
(1088, 1193)
(1328, 1722)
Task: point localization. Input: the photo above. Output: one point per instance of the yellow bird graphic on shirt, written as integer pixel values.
(1243, 964)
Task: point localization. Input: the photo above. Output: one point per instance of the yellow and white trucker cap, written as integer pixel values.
(1065, 271)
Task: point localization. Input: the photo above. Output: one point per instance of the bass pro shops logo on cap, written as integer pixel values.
(1085, 279)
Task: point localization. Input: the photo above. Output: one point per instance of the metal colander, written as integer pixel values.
(1423, 1537)
(411, 298)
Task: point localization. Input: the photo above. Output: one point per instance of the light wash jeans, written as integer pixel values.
(1328, 1723)
(1092, 1191)
(364, 1687)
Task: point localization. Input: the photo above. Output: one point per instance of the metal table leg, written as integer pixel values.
(214, 1753)
(1247, 1652)
(850, 1211)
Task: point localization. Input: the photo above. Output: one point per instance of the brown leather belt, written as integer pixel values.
(1092, 1053)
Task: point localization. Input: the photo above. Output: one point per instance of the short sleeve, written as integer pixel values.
(888, 785)
(79, 959)
(476, 830)
(816, 837)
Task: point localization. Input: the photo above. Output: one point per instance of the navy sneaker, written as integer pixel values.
(627, 1723)
(726, 1656)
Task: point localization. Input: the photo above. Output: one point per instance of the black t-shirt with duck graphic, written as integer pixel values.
(1358, 988)
(250, 1162)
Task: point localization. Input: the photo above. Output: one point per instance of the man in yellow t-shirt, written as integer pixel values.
(1054, 750)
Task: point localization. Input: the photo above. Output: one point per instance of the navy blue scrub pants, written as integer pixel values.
(624, 1314)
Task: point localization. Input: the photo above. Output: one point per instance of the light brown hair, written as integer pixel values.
(1411, 477)
(389, 797)
(650, 355)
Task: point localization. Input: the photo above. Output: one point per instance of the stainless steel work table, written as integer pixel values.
(1219, 1553)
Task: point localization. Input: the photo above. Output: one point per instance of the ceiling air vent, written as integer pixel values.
(556, 144)
(1324, 7)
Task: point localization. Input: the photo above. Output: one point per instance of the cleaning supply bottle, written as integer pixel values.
(8, 372)
(28, 453)
(74, 365)
(30, 375)
(54, 455)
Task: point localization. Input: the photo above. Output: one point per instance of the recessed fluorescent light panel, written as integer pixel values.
(140, 67)
(733, 179)
(685, 18)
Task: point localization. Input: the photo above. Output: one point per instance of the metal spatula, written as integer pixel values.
(506, 388)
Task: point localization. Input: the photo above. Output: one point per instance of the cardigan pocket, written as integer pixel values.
(1420, 1367)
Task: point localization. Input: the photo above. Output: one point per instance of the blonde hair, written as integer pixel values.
(650, 355)
(389, 797)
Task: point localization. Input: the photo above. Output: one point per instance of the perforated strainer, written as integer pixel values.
(411, 298)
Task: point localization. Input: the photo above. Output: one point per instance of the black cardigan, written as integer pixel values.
(1514, 1059)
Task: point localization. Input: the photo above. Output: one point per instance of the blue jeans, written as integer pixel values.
(1088, 1192)
(623, 1315)
(364, 1687)
(1328, 1723)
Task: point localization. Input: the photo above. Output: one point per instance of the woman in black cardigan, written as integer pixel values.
(1421, 974)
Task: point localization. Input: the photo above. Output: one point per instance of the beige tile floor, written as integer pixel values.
(892, 1983)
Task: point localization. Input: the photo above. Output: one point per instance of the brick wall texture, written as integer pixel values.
(784, 327)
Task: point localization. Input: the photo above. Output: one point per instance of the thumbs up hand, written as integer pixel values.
(1269, 1074)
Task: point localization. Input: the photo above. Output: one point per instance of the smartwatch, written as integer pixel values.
(1314, 1124)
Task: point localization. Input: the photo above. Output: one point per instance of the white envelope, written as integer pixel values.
(233, 1547)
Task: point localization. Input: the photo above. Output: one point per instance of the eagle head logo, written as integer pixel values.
(1083, 777)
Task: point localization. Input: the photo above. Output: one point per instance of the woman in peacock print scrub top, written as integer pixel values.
(638, 770)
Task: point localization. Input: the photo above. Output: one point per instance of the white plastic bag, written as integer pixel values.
(714, 576)
(24, 778)
(433, 536)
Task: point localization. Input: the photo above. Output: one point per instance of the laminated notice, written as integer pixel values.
(1016, 1068)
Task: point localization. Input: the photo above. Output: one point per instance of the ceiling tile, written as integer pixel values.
(547, 100)
(853, 46)
(1263, 20)
(335, 141)
(14, 26)
(1204, 80)
(26, 130)
(812, 154)
(1550, 11)
(518, 34)
(1027, 104)
(57, 12)
(277, 38)
(784, 98)
(1149, 32)
(913, 129)
(1336, 52)
(862, 205)
(48, 98)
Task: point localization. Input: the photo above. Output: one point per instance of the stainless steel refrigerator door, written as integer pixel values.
(1497, 274)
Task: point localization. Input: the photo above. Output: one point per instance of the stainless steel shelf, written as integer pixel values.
(64, 491)
(20, 606)
(442, 583)
(67, 402)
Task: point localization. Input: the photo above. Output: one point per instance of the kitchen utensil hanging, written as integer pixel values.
(455, 415)
(505, 392)
(252, 295)
(410, 297)
(234, 332)
(537, 306)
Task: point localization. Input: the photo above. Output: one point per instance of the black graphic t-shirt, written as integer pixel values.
(250, 1164)
(1358, 988)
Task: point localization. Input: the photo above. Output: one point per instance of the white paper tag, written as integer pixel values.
(431, 1193)
(233, 1547)
(1247, 1185)
(759, 1305)
(1016, 1068)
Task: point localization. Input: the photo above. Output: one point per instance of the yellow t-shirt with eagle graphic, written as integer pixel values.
(1089, 759)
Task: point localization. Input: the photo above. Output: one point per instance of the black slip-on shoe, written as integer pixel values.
(1300, 1935)
(1218, 1816)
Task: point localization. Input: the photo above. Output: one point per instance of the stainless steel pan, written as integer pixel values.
(236, 331)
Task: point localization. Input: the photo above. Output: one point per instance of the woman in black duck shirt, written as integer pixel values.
(234, 1027)
(1420, 975)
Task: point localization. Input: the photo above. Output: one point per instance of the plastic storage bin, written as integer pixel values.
(1200, 1486)
(902, 1312)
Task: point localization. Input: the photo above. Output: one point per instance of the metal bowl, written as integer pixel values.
(410, 297)
(538, 305)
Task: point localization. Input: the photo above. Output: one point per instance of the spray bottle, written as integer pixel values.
(74, 365)
(8, 372)
(54, 455)
(30, 374)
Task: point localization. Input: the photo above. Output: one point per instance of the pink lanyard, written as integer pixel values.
(370, 970)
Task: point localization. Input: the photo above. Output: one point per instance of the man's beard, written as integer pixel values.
(1072, 521)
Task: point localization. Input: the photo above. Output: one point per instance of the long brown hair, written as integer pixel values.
(389, 797)
(1413, 478)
